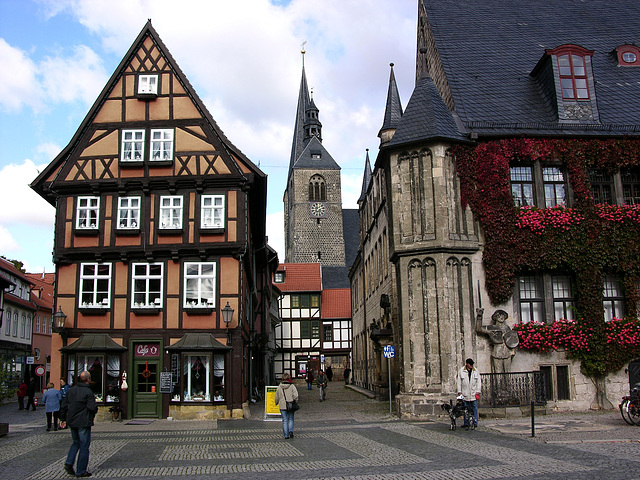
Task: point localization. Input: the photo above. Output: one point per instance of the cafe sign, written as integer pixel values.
(147, 350)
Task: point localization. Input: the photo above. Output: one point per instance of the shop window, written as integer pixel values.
(202, 381)
(104, 377)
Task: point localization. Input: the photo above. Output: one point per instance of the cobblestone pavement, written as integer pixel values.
(347, 437)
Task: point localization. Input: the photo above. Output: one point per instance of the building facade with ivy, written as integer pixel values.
(512, 182)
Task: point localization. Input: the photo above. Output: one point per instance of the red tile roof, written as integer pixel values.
(300, 277)
(336, 303)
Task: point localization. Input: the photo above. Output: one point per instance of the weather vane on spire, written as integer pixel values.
(303, 51)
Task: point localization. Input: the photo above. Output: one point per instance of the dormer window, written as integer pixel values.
(628, 56)
(573, 76)
(148, 85)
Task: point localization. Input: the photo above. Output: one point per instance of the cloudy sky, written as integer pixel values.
(242, 57)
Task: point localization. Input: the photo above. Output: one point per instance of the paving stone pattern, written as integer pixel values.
(347, 437)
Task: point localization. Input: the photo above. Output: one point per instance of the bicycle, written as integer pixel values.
(630, 406)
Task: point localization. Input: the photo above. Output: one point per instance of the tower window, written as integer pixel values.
(317, 189)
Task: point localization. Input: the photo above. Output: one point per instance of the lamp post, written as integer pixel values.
(59, 320)
(227, 316)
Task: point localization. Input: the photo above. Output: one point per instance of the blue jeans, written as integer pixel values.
(473, 405)
(81, 441)
(287, 422)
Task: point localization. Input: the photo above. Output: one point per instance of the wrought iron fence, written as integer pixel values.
(513, 389)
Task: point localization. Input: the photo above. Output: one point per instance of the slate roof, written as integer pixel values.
(489, 48)
(393, 108)
(366, 178)
(351, 234)
(305, 159)
(335, 276)
(426, 117)
(336, 303)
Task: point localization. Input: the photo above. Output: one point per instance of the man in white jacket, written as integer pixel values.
(469, 386)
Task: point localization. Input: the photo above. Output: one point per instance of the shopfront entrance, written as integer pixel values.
(147, 401)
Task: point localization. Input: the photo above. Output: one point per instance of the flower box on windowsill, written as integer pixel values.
(146, 310)
(128, 231)
(131, 163)
(211, 230)
(87, 232)
(160, 163)
(169, 231)
(93, 309)
(199, 310)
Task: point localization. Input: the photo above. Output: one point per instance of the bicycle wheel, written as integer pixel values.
(624, 411)
(634, 411)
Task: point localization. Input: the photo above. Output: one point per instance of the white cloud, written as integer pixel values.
(80, 76)
(18, 82)
(21, 205)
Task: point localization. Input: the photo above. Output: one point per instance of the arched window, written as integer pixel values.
(317, 189)
(7, 326)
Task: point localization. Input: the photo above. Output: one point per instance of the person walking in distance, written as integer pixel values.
(31, 394)
(286, 392)
(51, 400)
(78, 411)
(22, 392)
(347, 372)
(469, 386)
(309, 378)
(322, 382)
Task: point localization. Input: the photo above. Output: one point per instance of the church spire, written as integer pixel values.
(304, 100)
(366, 179)
(392, 112)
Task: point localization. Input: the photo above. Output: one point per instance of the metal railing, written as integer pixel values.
(513, 389)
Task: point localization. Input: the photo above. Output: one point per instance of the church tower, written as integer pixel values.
(313, 219)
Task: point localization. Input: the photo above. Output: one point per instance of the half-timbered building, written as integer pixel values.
(160, 250)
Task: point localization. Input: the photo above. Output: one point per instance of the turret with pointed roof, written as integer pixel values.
(366, 178)
(392, 111)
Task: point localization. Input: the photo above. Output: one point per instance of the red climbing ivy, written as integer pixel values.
(587, 240)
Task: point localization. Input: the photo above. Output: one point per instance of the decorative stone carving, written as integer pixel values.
(503, 340)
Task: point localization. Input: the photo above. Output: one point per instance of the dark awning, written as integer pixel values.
(94, 342)
(198, 341)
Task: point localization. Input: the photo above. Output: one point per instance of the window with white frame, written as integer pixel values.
(129, 212)
(15, 324)
(199, 284)
(23, 326)
(554, 190)
(522, 186)
(95, 285)
(531, 299)
(7, 324)
(132, 146)
(148, 84)
(212, 211)
(87, 212)
(147, 285)
(29, 327)
(171, 212)
(613, 299)
(162, 144)
(38, 324)
(562, 297)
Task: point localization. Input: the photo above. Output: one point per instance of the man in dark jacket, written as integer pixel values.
(77, 411)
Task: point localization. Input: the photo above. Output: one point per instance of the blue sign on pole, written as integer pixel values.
(388, 351)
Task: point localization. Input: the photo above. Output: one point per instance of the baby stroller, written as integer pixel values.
(459, 409)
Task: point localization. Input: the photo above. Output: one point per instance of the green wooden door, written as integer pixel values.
(146, 396)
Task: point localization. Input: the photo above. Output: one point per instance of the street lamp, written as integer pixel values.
(227, 316)
(59, 319)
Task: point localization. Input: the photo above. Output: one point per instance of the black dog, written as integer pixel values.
(459, 409)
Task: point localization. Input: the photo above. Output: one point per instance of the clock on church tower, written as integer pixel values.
(318, 210)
